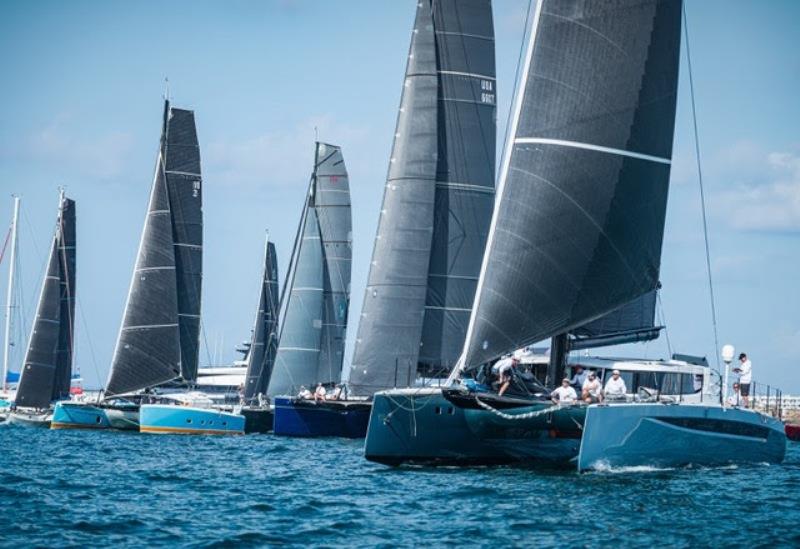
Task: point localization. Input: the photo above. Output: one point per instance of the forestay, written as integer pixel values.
(47, 369)
(578, 224)
(437, 201)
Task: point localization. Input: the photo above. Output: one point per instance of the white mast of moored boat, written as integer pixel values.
(10, 293)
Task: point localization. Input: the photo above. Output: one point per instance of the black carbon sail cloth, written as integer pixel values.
(311, 344)
(264, 341)
(437, 201)
(578, 227)
(158, 340)
(47, 369)
(633, 322)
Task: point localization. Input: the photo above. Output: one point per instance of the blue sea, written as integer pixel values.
(76, 488)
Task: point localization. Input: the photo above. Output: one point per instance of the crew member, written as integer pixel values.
(564, 394)
(615, 387)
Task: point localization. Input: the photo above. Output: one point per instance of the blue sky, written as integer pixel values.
(80, 106)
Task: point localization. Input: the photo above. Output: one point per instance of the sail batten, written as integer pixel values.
(578, 224)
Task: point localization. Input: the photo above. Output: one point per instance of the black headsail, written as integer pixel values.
(264, 341)
(158, 340)
(47, 369)
(579, 221)
(437, 201)
(314, 322)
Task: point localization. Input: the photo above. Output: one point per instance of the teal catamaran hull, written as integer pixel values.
(667, 435)
(423, 426)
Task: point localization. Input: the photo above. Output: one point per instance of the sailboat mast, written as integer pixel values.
(10, 291)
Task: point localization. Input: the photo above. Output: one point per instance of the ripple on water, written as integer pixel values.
(121, 489)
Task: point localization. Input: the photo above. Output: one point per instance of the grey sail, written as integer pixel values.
(578, 225)
(47, 367)
(264, 341)
(158, 338)
(297, 358)
(332, 205)
(66, 328)
(184, 186)
(465, 173)
(437, 200)
(633, 322)
(311, 340)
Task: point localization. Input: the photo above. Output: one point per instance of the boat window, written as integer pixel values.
(437, 410)
(188, 420)
(451, 410)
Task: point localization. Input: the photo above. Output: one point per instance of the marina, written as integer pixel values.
(539, 291)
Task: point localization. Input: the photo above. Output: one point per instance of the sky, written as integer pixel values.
(81, 105)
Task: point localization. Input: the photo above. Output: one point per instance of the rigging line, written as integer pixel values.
(702, 192)
(663, 319)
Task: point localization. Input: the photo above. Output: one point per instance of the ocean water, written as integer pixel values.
(74, 488)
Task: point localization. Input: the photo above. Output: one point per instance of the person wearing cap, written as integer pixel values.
(592, 389)
(615, 387)
(578, 377)
(745, 371)
(564, 394)
(337, 392)
(304, 393)
(502, 368)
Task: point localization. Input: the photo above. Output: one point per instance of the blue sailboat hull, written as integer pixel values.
(422, 426)
(74, 415)
(188, 420)
(659, 435)
(306, 418)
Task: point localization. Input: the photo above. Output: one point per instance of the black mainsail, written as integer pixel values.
(47, 369)
(264, 341)
(314, 322)
(437, 201)
(159, 337)
(579, 221)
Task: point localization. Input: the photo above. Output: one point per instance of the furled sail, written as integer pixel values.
(158, 340)
(311, 342)
(47, 368)
(264, 341)
(578, 224)
(437, 201)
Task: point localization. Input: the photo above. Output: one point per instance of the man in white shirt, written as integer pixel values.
(592, 390)
(564, 394)
(615, 387)
(319, 394)
(745, 371)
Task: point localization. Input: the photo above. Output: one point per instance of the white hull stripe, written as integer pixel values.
(590, 147)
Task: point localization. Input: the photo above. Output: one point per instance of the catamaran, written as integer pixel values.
(47, 370)
(576, 236)
(317, 301)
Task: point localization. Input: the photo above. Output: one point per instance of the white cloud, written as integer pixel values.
(276, 158)
(763, 193)
(60, 143)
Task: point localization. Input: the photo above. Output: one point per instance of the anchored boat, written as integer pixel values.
(47, 369)
(317, 293)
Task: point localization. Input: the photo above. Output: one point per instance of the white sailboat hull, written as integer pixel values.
(30, 419)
